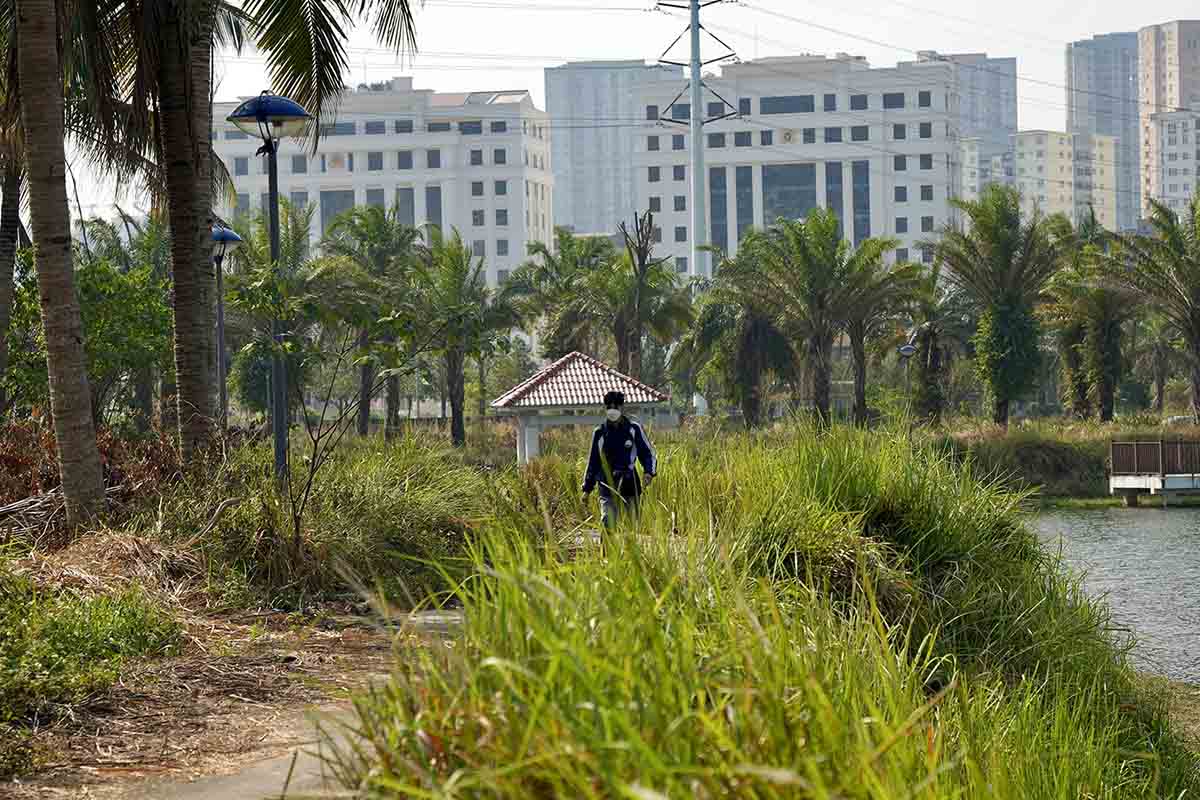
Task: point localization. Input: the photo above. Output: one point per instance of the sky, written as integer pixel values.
(504, 44)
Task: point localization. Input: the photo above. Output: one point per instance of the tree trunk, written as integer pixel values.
(1160, 389)
(70, 399)
(930, 399)
(821, 378)
(392, 421)
(482, 390)
(442, 397)
(1000, 412)
(168, 406)
(143, 399)
(1107, 396)
(10, 221)
(1195, 387)
(184, 123)
(858, 350)
(456, 389)
(366, 382)
(622, 339)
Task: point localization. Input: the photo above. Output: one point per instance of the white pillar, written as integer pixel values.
(532, 445)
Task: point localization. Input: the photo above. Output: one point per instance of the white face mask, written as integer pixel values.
(613, 414)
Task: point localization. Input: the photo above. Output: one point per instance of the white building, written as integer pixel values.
(1102, 98)
(987, 92)
(981, 168)
(1178, 165)
(478, 162)
(593, 109)
(1169, 80)
(880, 146)
(1060, 172)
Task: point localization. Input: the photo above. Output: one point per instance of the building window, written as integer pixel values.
(858, 102)
(501, 217)
(787, 104)
(926, 161)
(433, 205)
(651, 143)
(656, 234)
(299, 165)
(375, 162)
(651, 112)
(744, 106)
(716, 140)
(477, 218)
(927, 255)
(831, 102)
(433, 159)
(350, 162)
(809, 135)
(677, 141)
(476, 158)
(899, 131)
(680, 265)
(926, 131)
(476, 188)
(680, 233)
(899, 163)
(788, 190)
(242, 208)
(437, 127)
(833, 135)
(375, 198)
(502, 250)
(338, 129)
(833, 190)
(231, 135)
(679, 172)
(501, 188)
(744, 199)
(860, 173)
(927, 192)
(902, 254)
(681, 111)
(655, 204)
(403, 126)
(859, 133)
(901, 224)
(742, 139)
(499, 126)
(479, 248)
(900, 194)
(924, 99)
(765, 138)
(470, 128)
(499, 156)
(893, 100)
(404, 159)
(926, 224)
(334, 203)
(680, 202)
(718, 206)
(374, 126)
(716, 109)
(653, 174)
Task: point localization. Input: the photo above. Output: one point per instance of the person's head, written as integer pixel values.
(614, 402)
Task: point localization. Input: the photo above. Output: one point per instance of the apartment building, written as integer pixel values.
(982, 168)
(1060, 172)
(878, 146)
(1178, 167)
(1169, 80)
(592, 107)
(478, 162)
(1102, 98)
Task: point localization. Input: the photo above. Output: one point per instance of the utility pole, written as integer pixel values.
(699, 218)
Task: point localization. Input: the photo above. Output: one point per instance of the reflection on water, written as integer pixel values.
(1146, 563)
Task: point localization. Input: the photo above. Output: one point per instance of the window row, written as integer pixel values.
(792, 104)
(376, 127)
(479, 217)
(679, 204)
(902, 224)
(678, 172)
(900, 193)
(376, 161)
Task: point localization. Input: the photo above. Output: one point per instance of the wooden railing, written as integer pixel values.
(1177, 457)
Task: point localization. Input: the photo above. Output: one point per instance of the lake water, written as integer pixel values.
(1146, 563)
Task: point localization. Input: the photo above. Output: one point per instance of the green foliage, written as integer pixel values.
(1006, 350)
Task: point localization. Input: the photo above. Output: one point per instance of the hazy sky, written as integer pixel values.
(504, 44)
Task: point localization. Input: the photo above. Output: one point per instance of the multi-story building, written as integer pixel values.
(1169, 80)
(1060, 172)
(987, 92)
(981, 168)
(477, 162)
(878, 146)
(593, 108)
(1102, 98)
(1178, 166)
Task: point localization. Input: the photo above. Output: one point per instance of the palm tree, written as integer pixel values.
(470, 318)
(382, 247)
(1164, 269)
(1001, 264)
(1156, 351)
(809, 279)
(942, 327)
(40, 75)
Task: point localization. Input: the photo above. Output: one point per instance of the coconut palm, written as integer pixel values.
(1164, 269)
(1001, 263)
(808, 281)
(383, 248)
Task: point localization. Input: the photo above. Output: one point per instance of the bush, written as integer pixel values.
(705, 655)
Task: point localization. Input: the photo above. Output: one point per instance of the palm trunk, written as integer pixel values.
(929, 400)
(456, 389)
(10, 221)
(70, 399)
(482, 390)
(1000, 412)
(1195, 386)
(143, 399)
(1160, 387)
(168, 405)
(858, 350)
(366, 381)
(623, 350)
(185, 123)
(821, 377)
(392, 422)
(1107, 392)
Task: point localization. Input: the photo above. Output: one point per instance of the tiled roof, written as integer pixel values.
(576, 380)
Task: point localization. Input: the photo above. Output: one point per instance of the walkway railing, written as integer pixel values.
(1155, 458)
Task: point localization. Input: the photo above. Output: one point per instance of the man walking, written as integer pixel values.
(617, 445)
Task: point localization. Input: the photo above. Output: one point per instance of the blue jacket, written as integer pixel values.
(616, 448)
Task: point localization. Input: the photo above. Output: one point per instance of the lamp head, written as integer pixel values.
(906, 351)
(224, 240)
(270, 115)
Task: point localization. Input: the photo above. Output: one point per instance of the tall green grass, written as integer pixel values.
(795, 614)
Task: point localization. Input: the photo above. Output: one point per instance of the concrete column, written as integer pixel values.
(532, 445)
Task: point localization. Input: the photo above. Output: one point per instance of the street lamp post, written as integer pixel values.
(906, 351)
(271, 118)
(225, 241)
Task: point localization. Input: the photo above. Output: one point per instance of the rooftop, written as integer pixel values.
(576, 380)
